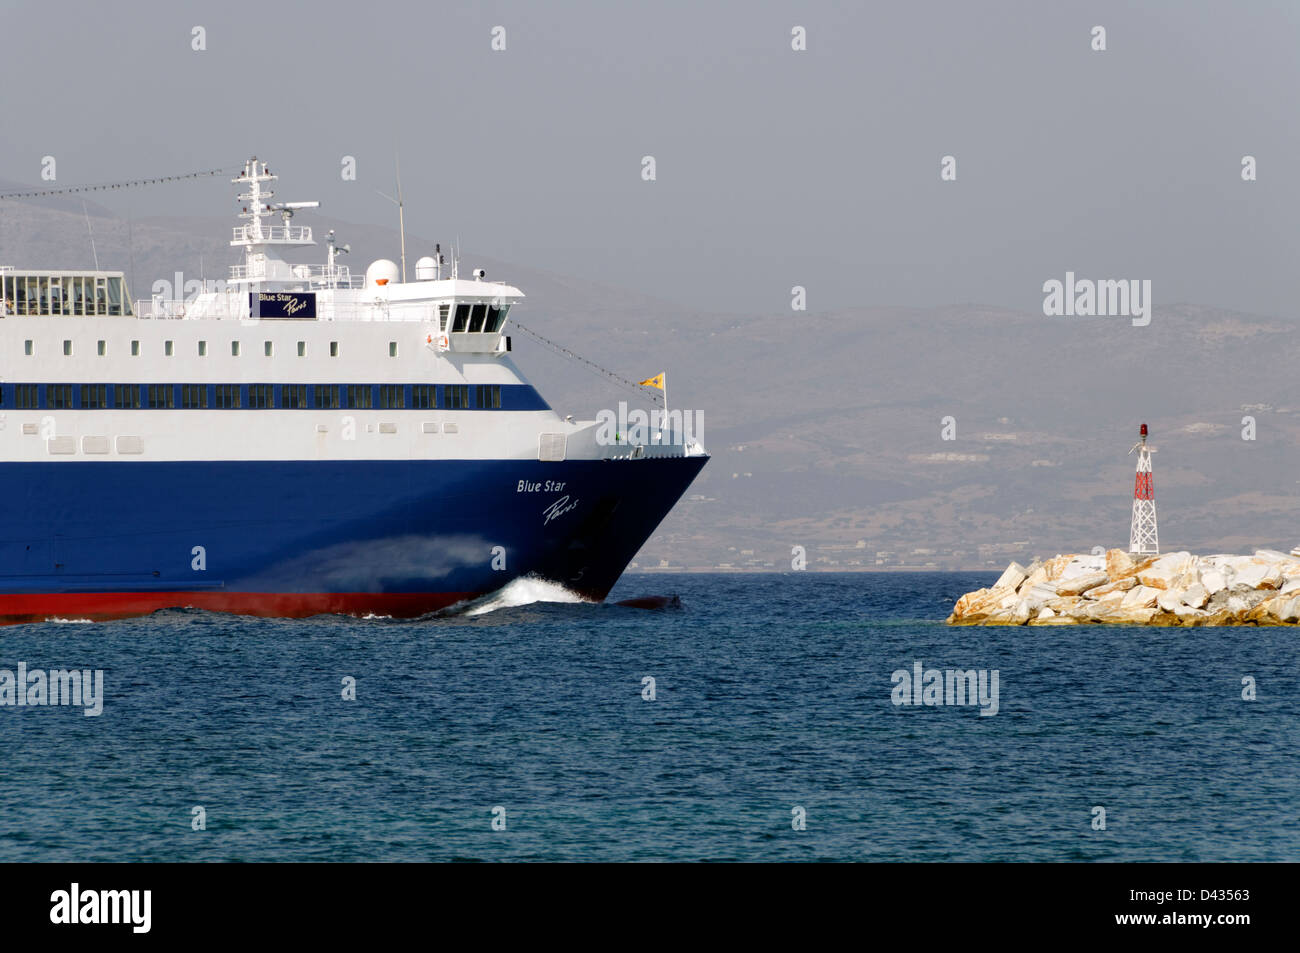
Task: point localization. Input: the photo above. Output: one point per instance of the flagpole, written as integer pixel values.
(666, 421)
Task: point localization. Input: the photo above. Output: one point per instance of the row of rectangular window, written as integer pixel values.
(253, 396)
(268, 347)
(169, 348)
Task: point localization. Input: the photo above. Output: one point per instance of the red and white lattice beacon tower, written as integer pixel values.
(1143, 538)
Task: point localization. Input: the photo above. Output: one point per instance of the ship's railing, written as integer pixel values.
(319, 276)
(216, 307)
(272, 233)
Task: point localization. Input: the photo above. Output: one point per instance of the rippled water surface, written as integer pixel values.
(773, 693)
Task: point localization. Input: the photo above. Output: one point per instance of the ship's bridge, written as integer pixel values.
(71, 293)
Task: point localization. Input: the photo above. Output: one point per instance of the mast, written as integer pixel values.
(263, 244)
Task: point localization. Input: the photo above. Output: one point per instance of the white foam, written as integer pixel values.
(521, 592)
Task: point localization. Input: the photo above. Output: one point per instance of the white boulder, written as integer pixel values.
(1169, 600)
(1140, 597)
(1077, 585)
(1213, 580)
(1196, 596)
(1164, 572)
(1011, 577)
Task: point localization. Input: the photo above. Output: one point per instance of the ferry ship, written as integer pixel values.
(298, 441)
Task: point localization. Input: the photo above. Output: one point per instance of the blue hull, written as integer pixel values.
(104, 539)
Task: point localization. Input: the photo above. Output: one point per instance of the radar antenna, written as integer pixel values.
(286, 209)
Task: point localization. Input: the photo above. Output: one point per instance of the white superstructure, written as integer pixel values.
(284, 360)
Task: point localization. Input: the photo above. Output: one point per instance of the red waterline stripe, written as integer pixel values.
(99, 606)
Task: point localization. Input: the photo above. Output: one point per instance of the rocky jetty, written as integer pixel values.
(1115, 588)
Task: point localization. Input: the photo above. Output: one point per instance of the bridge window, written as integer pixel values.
(443, 311)
(115, 296)
(457, 396)
(94, 396)
(194, 396)
(424, 397)
(496, 318)
(227, 397)
(462, 319)
(126, 395)
(478, 316)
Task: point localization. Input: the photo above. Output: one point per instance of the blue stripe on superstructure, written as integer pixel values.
(513, 396)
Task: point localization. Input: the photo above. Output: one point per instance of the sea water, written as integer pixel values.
(759, 721)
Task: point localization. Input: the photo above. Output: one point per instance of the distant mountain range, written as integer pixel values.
(826, 429)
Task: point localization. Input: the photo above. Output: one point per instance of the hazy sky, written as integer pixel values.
(774, 167)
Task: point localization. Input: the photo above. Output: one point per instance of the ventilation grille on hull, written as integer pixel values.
(550, 447)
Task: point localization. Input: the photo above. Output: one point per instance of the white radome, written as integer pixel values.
(382, 270)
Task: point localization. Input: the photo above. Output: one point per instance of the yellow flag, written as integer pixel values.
(656, 381)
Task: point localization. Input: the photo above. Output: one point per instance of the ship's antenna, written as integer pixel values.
(93, 254)
(130, 241)
(401, 212)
